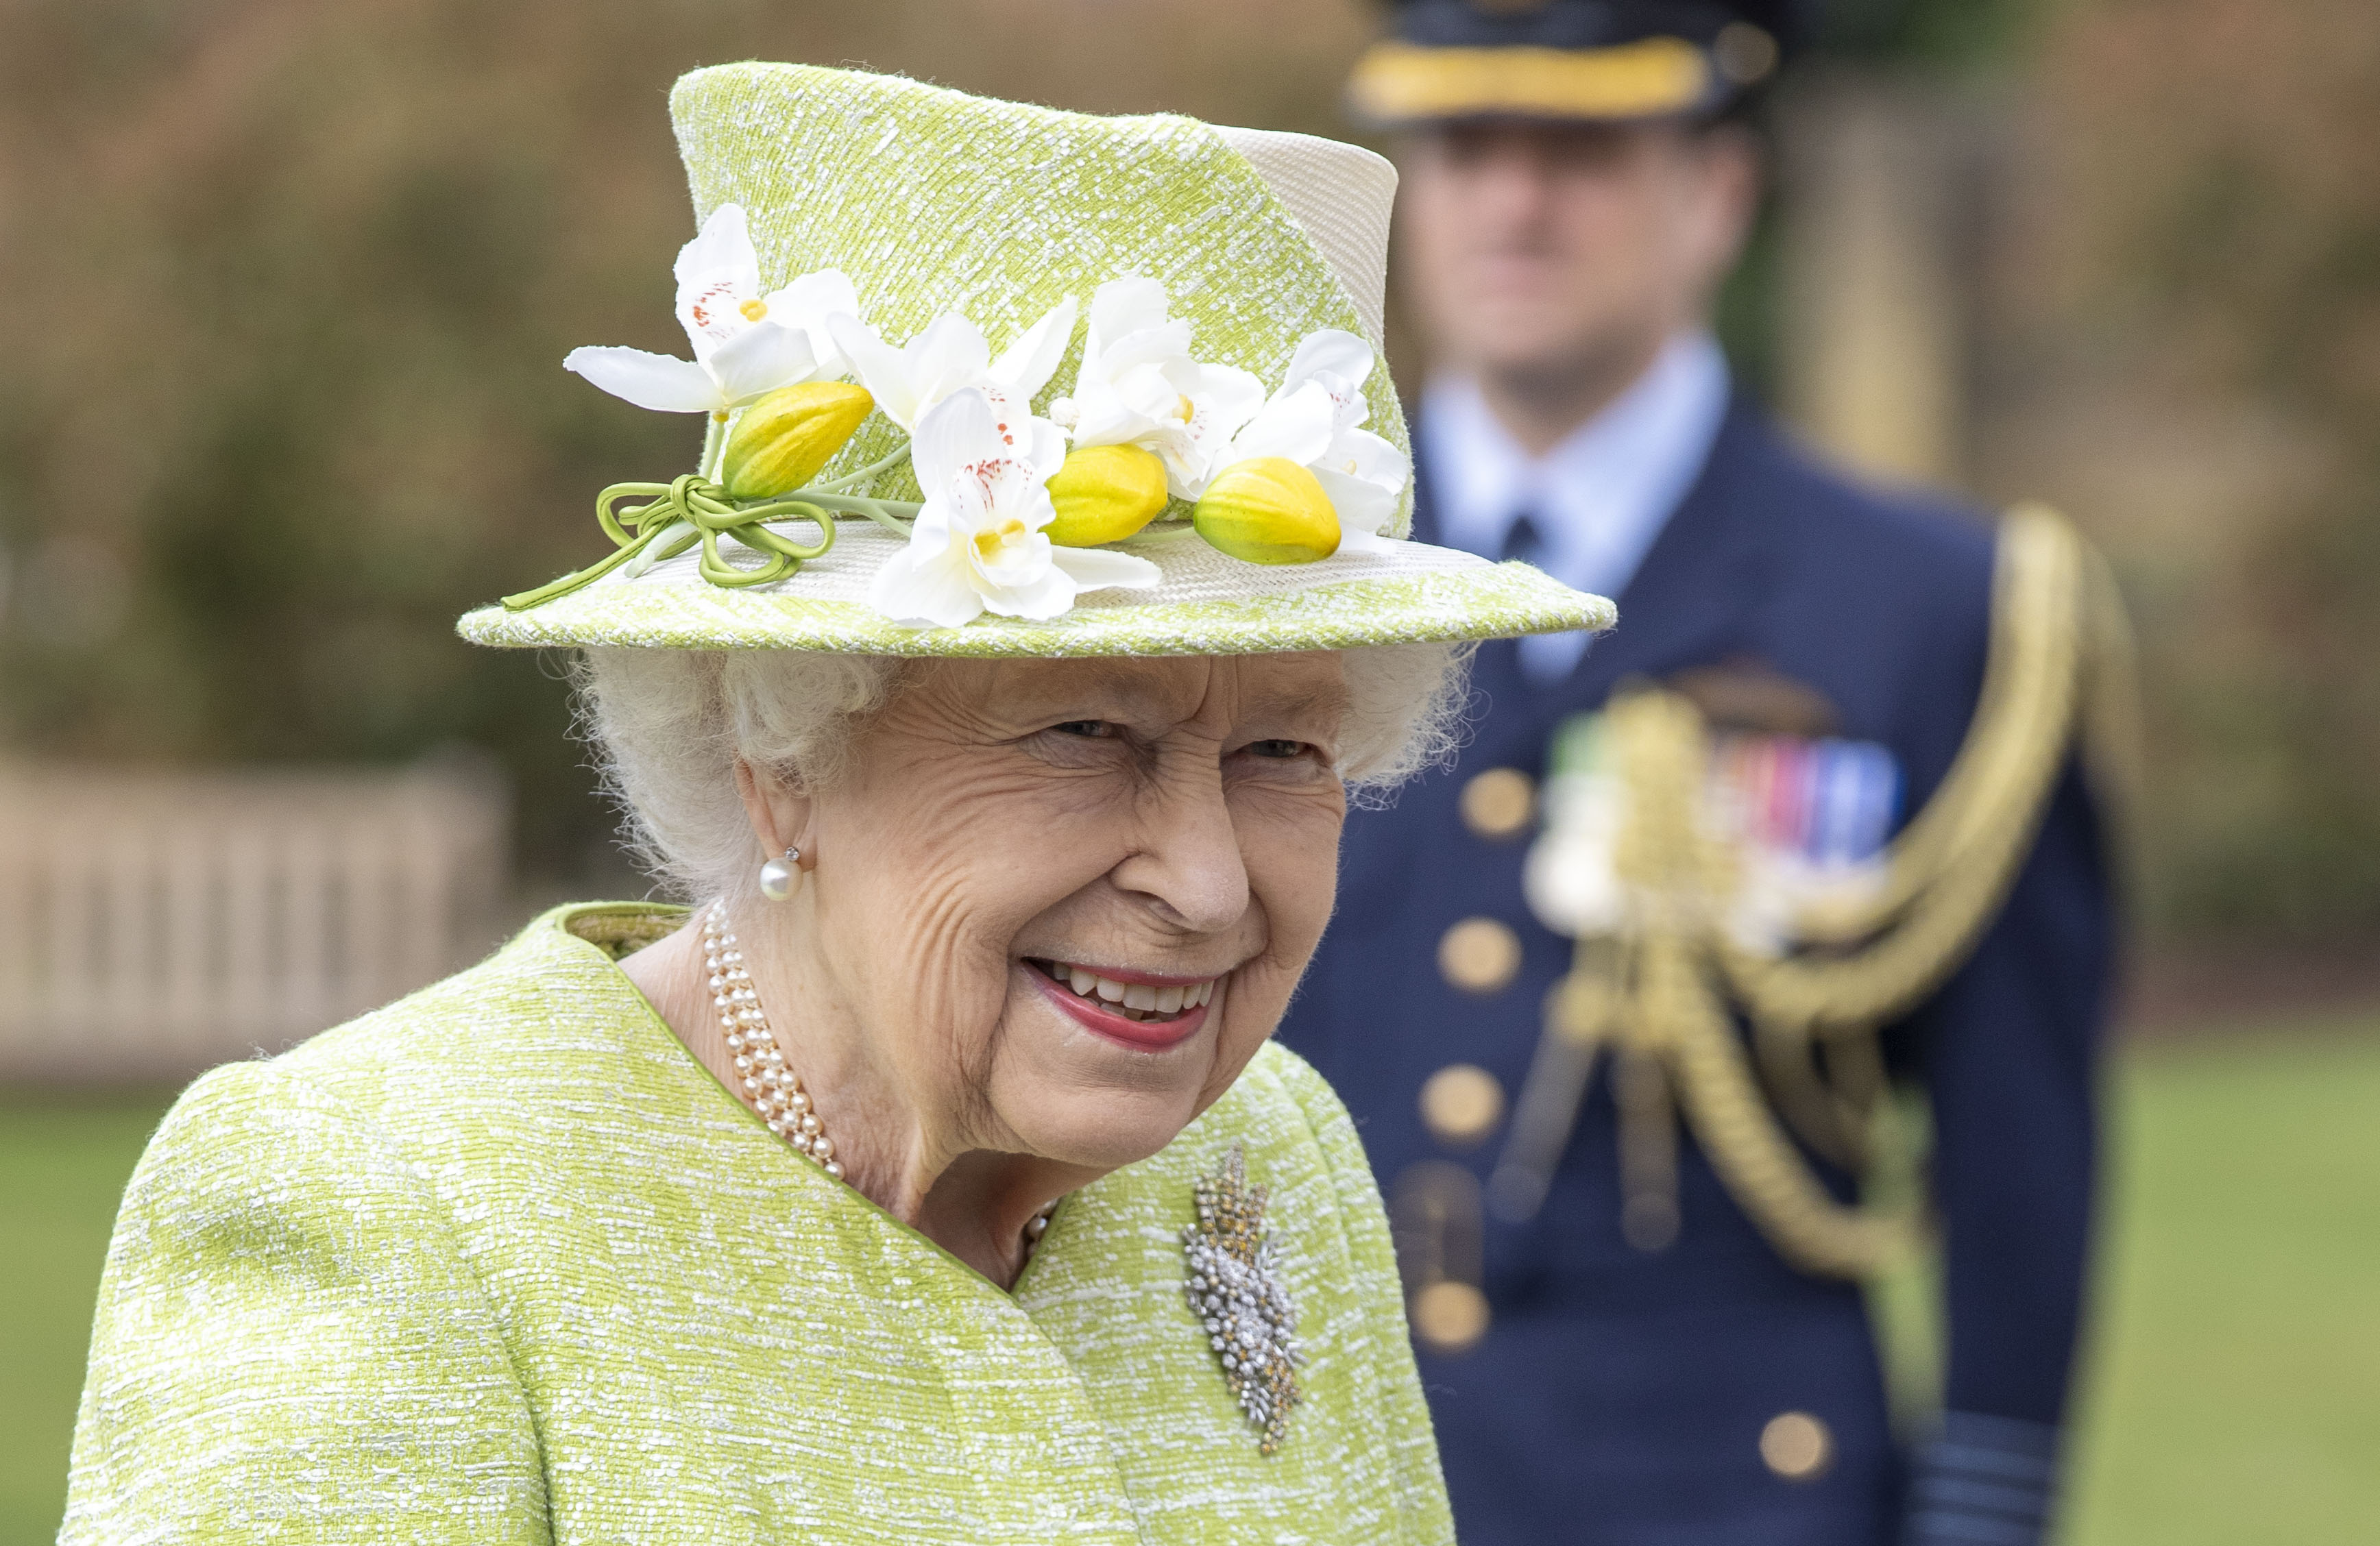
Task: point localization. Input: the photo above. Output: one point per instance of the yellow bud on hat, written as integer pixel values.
(1268, 510)
(782, 441)
(1105, 494)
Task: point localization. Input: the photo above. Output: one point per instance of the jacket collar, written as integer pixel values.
(1703, 574)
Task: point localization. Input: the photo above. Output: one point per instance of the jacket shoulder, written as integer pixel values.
(1881, 598)
(412, 1065)
(1919, 531)
(549, 988)
(1838, 519)
(468, 1072)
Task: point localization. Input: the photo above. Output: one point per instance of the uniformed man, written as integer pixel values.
(1622, 1000)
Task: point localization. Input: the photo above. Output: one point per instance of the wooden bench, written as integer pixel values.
(154, 924)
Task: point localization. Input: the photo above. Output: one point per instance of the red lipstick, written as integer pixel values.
(1093, 1014)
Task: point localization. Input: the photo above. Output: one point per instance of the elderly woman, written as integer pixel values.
(930, 1180)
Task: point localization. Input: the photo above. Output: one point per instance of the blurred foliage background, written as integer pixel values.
(2187, 356)
(292, 282)
(293, 286)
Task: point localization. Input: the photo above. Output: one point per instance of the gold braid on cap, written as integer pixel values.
(1399, 81)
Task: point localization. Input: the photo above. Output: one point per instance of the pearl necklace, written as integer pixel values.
(775, 1090)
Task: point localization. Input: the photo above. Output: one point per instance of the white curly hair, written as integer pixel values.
(667, 726)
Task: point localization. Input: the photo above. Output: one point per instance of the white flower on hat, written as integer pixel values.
(1138, 386)
(977, 545)
(1316, 420)
(951, 356)
(745, 344)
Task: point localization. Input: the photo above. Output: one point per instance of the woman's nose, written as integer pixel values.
(1188, 863)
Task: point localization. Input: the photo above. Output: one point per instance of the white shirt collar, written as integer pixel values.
(1600, 497)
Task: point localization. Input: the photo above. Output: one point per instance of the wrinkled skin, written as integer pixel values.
(1179, 818)
(1552, 261)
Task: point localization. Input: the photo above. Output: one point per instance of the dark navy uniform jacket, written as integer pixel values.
(1619, 1396)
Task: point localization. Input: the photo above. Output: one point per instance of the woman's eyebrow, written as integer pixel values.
(1121, 691)
(1099, 689)
(1325, 700)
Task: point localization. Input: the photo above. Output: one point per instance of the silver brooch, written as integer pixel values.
(1237, 1291)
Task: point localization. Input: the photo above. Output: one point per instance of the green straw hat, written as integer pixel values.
(985, 379)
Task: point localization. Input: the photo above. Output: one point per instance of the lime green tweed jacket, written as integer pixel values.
(502, 1263)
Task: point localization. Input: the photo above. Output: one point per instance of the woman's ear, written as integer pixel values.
(779, 813)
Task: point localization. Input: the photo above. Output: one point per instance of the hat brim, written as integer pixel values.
(1204, 603)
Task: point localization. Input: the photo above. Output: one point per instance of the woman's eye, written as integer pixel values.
(1276, 748)
(1093, 729)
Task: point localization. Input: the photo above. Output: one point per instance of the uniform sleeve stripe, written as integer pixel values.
(1985, 1481)
(1974, 1460)
(1978, 1497)
(1967, 1529)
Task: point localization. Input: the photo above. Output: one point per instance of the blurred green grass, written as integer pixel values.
(64, 1161)
(2232, 1396)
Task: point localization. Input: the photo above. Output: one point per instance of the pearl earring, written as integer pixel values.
(780, 879)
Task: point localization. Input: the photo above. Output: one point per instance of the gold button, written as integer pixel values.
(1450, 1318)
(1499, 802)
(1479, 955)
(1797, 1446)
(1460, 1104)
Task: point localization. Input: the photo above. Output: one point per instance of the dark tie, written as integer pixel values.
(1543, 663)
(1521, 541)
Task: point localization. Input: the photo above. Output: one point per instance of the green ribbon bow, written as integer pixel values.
(678, 514)
(696, 507)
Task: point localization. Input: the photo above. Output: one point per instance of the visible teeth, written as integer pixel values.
(1134, 1001)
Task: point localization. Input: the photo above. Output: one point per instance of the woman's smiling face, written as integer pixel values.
(1066, 902)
